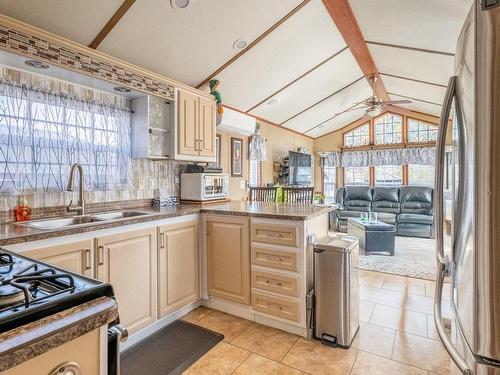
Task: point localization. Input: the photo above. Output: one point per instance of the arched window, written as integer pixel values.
(388, 129)
(358, 137)
(421, 132)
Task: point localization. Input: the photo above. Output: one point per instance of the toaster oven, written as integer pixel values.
(204, 186)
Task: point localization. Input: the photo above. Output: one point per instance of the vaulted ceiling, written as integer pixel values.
(298, 70)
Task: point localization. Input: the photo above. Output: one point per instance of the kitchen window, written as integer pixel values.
(255, 173)
(42, 134)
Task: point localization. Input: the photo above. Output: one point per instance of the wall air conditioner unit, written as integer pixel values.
(237, 122)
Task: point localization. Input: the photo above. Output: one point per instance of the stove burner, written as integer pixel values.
(6, 259)
(10, 295)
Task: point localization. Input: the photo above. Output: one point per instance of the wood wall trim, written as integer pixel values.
(413, 80)
(297, 79)
(115, 18)
(253, 44)
(410, 48)
(343, 16)
(262, 120)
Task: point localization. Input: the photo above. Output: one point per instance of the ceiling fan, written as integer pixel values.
(374, 105)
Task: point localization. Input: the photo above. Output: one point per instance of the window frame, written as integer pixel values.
(408, 119)
(367, 123)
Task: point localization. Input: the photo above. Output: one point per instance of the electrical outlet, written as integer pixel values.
(242, 184)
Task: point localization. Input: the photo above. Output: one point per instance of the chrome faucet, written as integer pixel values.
(81, 202)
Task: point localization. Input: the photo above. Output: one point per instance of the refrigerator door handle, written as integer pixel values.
(443, 263)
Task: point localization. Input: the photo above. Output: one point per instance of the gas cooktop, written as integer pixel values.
(31, 290)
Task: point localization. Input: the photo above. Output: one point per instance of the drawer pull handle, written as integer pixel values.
(274, 283)
(272, 234)
(274, 258)
(88, 265)
(274, 306)
(100, 256)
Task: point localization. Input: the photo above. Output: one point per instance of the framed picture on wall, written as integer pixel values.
(236, 157)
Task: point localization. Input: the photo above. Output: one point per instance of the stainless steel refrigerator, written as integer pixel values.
(473, 262)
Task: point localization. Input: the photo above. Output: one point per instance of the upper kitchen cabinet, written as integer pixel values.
(184, 130)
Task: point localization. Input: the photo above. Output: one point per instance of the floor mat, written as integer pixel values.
(169, 351)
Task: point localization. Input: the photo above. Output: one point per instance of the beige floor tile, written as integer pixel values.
(197, 314)
(266, 341)
(404, 284)
(374, 365)
(431, 328)
(314, 358)
(430, 287)
(370, 278)
(399, 319)
(229, 325)
(221, 360)
(375, 339)
(258, 365)
(401, 300)
(365, 311)
(421, 352)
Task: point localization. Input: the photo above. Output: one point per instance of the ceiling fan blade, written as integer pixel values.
(403, 101)
(349, 110)
(405, 111)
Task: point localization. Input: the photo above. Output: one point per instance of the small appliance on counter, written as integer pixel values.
(204, 187)
(196, 168)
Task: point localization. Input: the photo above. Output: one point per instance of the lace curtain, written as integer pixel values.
(380, 157)
(42, 134)
(257, 148)
(332, 159)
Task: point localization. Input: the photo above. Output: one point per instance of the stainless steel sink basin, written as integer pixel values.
(61, 223)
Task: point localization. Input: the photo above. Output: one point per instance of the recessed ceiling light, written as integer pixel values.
(240, 44)
(37, 64)
(122, 89)
(179, 3)
(273, 101)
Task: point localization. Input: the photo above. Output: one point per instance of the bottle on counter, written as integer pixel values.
(23, 211)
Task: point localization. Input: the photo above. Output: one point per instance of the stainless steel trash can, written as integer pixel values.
(336, 290)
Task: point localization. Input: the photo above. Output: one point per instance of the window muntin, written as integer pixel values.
(388, 129)
(329, 183)
(421, 132)
(421, 175)
(255, 173)
(357, 176)
(358, 137)
(389, 175)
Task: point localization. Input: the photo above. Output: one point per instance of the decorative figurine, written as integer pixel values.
(213, 84)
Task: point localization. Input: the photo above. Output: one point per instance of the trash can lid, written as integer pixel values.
(336, 242)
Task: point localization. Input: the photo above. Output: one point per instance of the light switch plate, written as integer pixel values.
(177, 179)
(242, 184)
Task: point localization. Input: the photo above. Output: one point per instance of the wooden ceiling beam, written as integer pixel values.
(343, 16)
(111, 23)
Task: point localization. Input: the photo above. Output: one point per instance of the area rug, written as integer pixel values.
(414, 257)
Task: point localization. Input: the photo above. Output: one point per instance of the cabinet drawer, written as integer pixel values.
(275, 306)
(274, 258)
(276, 234)
(274, 282)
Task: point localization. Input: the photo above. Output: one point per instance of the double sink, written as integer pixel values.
(70, 222)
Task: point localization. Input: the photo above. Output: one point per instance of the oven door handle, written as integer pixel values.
(121, 336)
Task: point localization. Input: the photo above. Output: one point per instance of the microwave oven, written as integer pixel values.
(204, 186)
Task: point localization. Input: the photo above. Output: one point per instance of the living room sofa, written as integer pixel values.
(409, 208)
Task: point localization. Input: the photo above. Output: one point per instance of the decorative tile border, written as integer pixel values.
(72, 58)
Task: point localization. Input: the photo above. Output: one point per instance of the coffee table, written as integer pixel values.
(373, 236)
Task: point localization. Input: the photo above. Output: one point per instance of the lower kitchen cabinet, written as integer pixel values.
(228, 258)
(74, 256)
(129, 262)
(178, 265)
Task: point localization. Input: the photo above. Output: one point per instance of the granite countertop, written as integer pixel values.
(14, 233)
(21, 344)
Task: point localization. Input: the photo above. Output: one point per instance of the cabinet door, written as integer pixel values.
(187, 123)
(75, 257)
(207, 127)
(128, 262)
(228, 263)
(178, 265)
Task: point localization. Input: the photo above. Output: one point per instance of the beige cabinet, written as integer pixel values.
(178, 266)
(74, 256)
(195, 125)
(128, 261)
(228, 258)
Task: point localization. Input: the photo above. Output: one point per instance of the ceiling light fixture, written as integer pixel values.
(374, 111)
(179, 3)
(240, 44)
(122, 89)
(37, 64)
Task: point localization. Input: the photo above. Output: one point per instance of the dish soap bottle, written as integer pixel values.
(23, 211)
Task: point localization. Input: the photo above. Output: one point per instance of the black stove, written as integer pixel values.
(31, 290)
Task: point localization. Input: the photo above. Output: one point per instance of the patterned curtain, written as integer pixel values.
(422, 155)
(356, 159)
(332, 159)
(42, 134)
(379, 157)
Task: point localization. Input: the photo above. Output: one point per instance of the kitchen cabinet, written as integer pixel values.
(207, 127)
(129, 262)
(74, 256)
(228, 258)
(178, 265)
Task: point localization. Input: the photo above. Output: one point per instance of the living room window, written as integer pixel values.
(388, 129)
(357, 176)
(421, 132)
(358, 137)
(388, 175)
(329, 183)
(422, 175)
